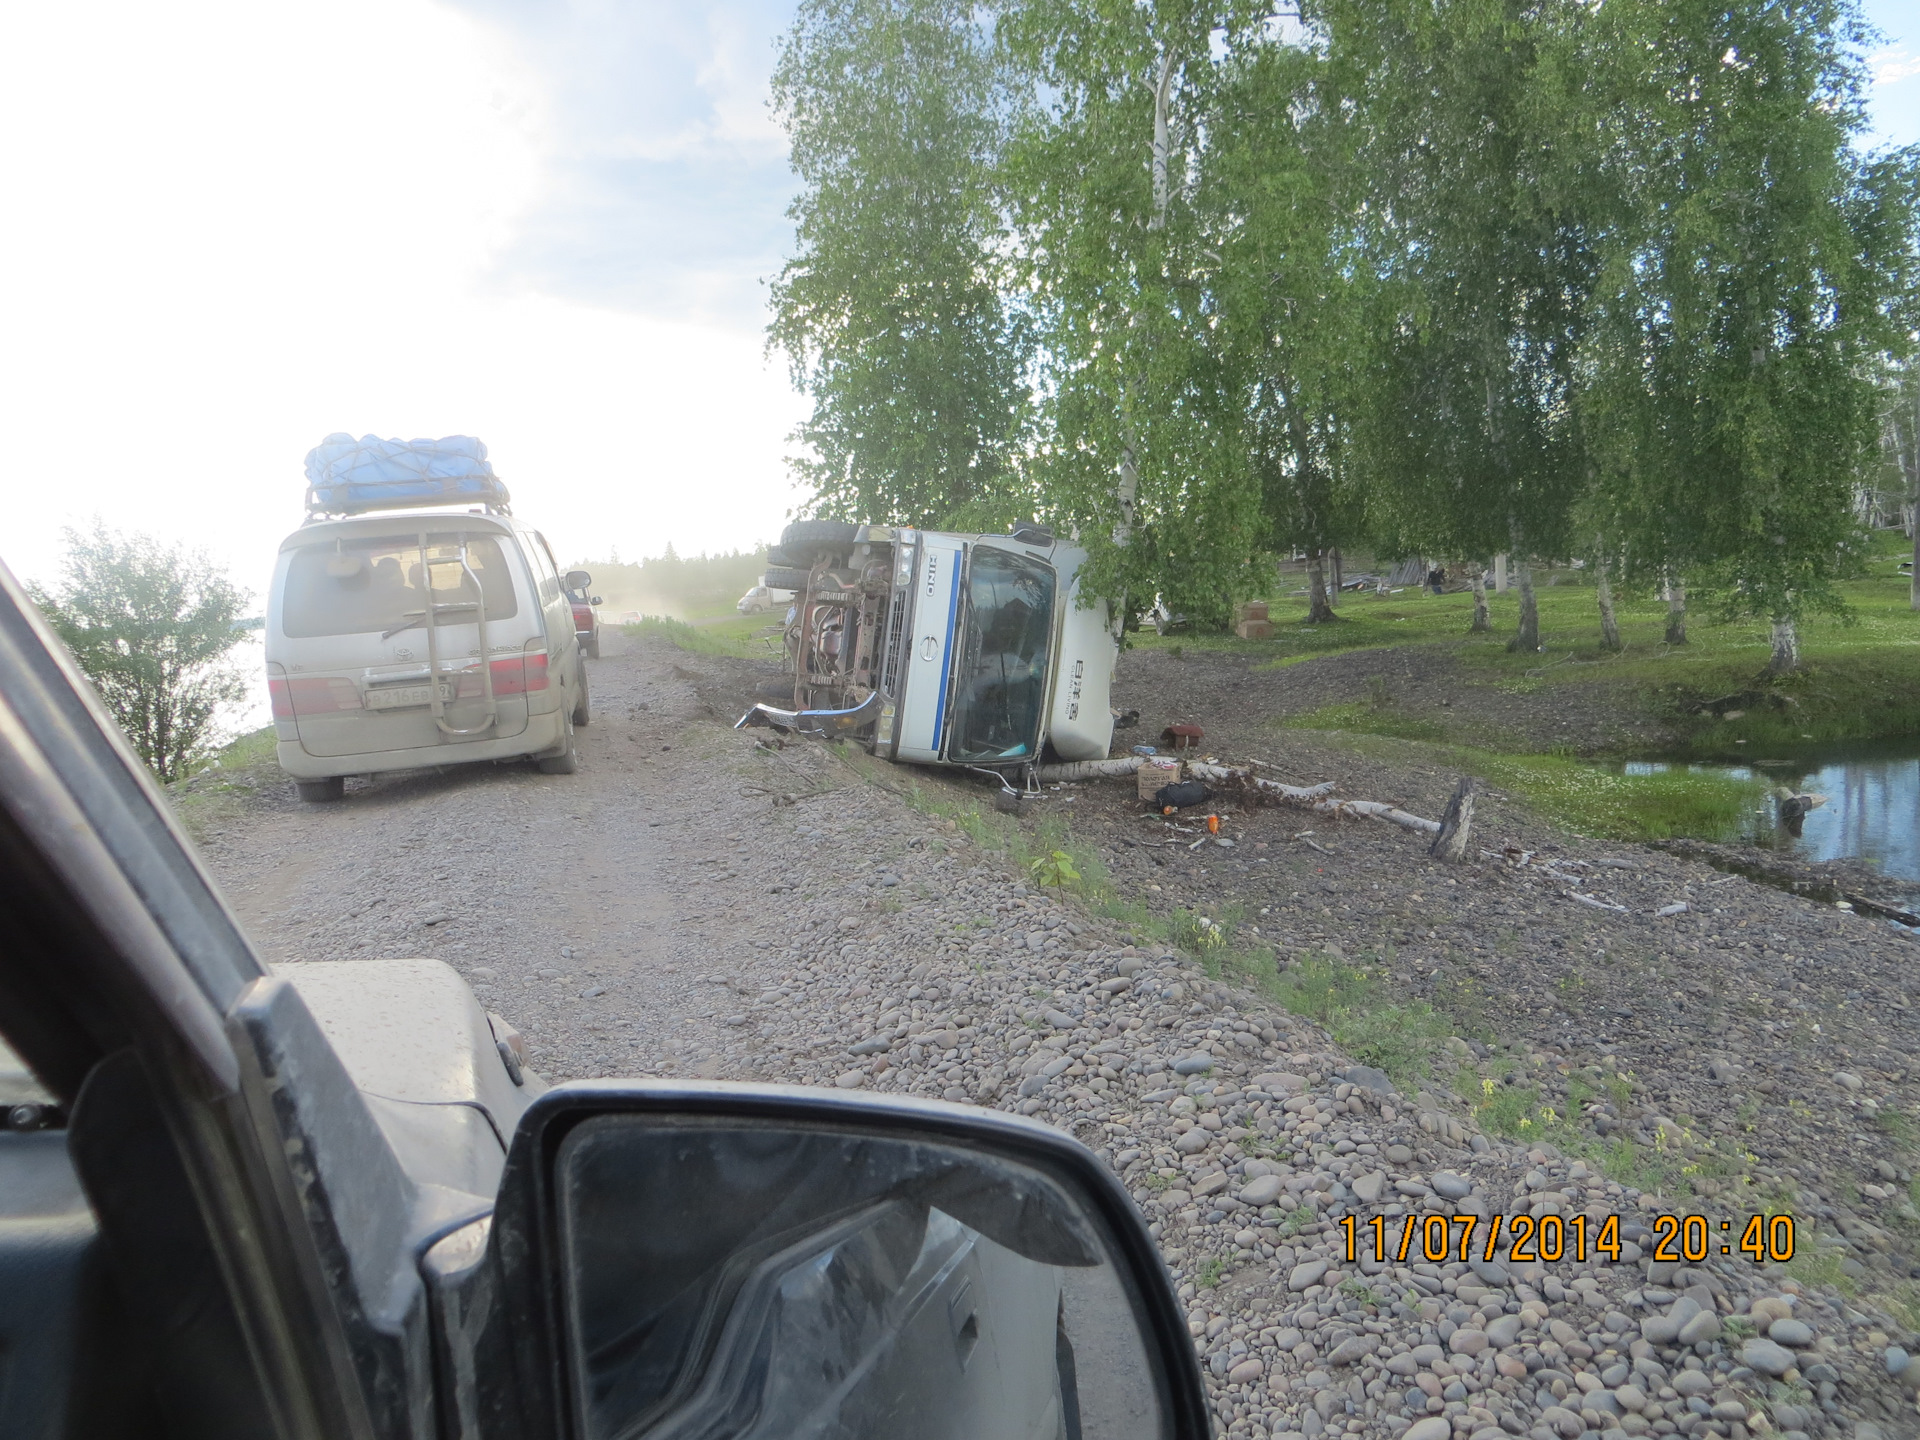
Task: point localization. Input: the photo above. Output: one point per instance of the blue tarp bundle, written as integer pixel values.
(345, 474)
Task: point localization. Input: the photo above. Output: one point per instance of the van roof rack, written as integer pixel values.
(346, 476)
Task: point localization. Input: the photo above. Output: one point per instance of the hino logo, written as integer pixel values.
(933, 571)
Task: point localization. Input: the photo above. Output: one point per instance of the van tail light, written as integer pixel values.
(520, 675)
(280, 697)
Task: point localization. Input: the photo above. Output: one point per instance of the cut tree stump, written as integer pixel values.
(1456, 826)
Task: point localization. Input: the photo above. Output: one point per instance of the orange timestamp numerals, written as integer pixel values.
(1549, 1238)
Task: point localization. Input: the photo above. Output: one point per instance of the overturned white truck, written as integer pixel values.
(943, 649)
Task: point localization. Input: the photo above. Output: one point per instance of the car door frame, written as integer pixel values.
(123, 947)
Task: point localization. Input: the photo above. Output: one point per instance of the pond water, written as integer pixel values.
(1872, 811)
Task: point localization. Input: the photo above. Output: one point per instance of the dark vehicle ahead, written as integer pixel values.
(328, 1200)
(586, 616)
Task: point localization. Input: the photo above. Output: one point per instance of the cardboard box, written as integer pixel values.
(1250, 610)
(1156, 771)
(1254, 630)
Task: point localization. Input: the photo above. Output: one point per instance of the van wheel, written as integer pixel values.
(331, 788)
(582, 714)
(566, 760)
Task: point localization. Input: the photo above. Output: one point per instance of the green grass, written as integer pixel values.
(1862, 681)
(1363, 717)
(1596, 799)
(740, 636)
(228, 777)
(1356, 1006)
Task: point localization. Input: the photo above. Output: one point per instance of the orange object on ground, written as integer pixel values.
(1213, 824)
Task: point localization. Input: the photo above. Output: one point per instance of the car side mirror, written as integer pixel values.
(596, 600)
(578, 579)
(732, 1260)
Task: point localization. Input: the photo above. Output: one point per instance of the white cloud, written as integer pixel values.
(664, 182)
(1892, 65)
(235, 228)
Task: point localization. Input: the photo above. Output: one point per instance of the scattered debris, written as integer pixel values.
(1181, 737)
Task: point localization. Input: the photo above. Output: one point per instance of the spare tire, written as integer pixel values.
(781, 558)
(785, 579)
(809, 541)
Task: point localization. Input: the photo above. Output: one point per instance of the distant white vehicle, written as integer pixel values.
(763, 598)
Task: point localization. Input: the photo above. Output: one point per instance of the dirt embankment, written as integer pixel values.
(702, 900)
(1428, 688)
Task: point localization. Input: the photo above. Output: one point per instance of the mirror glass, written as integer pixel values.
(578, 579)
(732, 1278)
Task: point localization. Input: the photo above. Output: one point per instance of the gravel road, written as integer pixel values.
(700, 901)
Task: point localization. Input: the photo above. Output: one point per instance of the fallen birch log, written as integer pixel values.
(1318, 798)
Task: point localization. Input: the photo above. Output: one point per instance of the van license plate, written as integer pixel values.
(397, 697)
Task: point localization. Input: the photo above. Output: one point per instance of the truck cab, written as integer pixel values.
(939, 648)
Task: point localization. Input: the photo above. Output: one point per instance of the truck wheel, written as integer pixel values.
(316, 791)
(582, 711)
(810, 540)
(782, 558)
(566, 760)
(786, 580)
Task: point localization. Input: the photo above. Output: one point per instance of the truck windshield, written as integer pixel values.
(1003, 659)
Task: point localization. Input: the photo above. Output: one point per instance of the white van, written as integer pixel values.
(404, 639)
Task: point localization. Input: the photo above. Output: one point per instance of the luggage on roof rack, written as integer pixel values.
(346, 476)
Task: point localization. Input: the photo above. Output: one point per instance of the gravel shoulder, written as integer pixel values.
(700, 900)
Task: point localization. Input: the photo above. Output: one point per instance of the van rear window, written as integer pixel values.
(350, 587)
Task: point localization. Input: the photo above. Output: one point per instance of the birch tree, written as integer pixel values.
(1747, 302)
(896, 313)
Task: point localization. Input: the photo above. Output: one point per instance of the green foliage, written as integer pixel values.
(153, 628)
(1743, 310)
(1055, 870)
(1196, 932)
(894, 314)
(1364, 1017)
(1210, 1272)
(1434, 277)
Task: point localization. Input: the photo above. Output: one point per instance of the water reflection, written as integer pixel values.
(1872, 810)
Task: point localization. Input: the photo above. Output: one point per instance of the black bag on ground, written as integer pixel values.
(1181, 794)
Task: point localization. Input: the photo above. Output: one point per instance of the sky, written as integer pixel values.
(235, 227)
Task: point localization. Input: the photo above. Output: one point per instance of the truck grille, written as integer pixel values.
(896, 644)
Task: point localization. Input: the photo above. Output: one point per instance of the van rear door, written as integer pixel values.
(362, 615)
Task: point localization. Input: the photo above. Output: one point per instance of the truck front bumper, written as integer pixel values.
(816, 722)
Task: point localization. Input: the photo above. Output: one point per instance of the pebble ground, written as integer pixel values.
(697, 901)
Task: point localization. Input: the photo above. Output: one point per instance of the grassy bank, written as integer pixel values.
(741, 636)
(1582, 796)
(1861, 682)
(230, 777)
